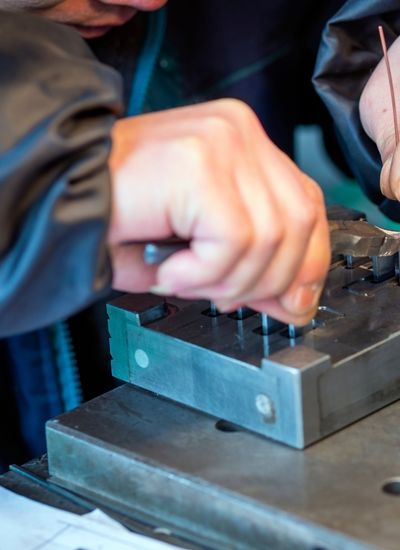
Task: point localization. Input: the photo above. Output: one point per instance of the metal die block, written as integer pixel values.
(294, 390)
(266, 399)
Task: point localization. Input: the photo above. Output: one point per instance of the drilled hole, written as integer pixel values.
(225, 426)
(392, 487)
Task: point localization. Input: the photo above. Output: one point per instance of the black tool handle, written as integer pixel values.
(157, 251)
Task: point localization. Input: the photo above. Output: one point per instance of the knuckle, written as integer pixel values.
(219, 127)
(237, 108)
(277, 287)
(238, 241)
(305, 218)
(191, 150)
(314, 191)
(244, 239)
(271, 239)
(241, 107)
(318, 195)
(386, 142)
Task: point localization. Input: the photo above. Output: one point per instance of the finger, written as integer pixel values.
(266, 226)
(130, 273)
(216, 241)
(394, 174)
(268, 233)
(298, 215)
(385, 179)
(301, 299)
(279, 264)
(265, 179)
(283, 221)
(268, 268)
(274, 308)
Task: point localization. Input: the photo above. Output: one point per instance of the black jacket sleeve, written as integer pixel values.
(349, 52)
(57, 107)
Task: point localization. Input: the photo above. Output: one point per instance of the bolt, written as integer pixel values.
(265, 406)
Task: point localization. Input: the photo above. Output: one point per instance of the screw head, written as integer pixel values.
(265, 406)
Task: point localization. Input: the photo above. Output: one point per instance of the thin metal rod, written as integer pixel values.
(349, 262)
(391, 87)
(239, 313)
(264, 323)
(292, 331)
(213, 310)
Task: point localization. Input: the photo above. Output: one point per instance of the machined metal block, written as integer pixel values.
(296, 390)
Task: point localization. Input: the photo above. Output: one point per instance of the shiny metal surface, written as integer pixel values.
(340, 368)
(232, 488)
(359, 239)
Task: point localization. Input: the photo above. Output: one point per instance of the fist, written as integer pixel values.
(209, 174)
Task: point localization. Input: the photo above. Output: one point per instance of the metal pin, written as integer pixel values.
(292, 331)
(264, 323)
(213, 310)
(383, 267)
(266, 345)
(264, 331)
(239, 314)
(349, 262)
(240, 332)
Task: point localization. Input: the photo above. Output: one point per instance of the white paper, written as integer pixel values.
(29, 525)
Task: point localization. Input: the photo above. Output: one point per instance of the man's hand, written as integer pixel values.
(377, 119)
(209, 174)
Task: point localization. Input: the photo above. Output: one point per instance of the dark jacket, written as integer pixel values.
(58, 105)
(57, 108)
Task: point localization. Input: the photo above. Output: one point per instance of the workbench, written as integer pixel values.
(162, 466)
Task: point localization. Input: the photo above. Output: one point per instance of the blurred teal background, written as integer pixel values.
(311, 156)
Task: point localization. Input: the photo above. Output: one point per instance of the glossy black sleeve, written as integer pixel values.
(57, 107)
(349, 52)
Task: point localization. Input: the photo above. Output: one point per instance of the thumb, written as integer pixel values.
(390, 175)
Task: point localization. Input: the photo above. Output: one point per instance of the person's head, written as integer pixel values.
(91, 18)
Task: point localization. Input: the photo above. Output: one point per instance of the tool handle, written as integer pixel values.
(157, 251)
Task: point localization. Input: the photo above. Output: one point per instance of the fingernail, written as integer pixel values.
(160, 290)
(304, 299)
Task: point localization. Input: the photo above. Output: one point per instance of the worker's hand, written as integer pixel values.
(209, 174)
(377, 119)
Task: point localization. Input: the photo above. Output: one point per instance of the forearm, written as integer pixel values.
(57, 107)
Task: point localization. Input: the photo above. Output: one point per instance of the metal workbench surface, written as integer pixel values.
(137, 451)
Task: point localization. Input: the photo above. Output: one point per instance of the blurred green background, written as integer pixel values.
(311, 156)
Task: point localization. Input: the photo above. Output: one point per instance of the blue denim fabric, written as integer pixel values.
(34, 374)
